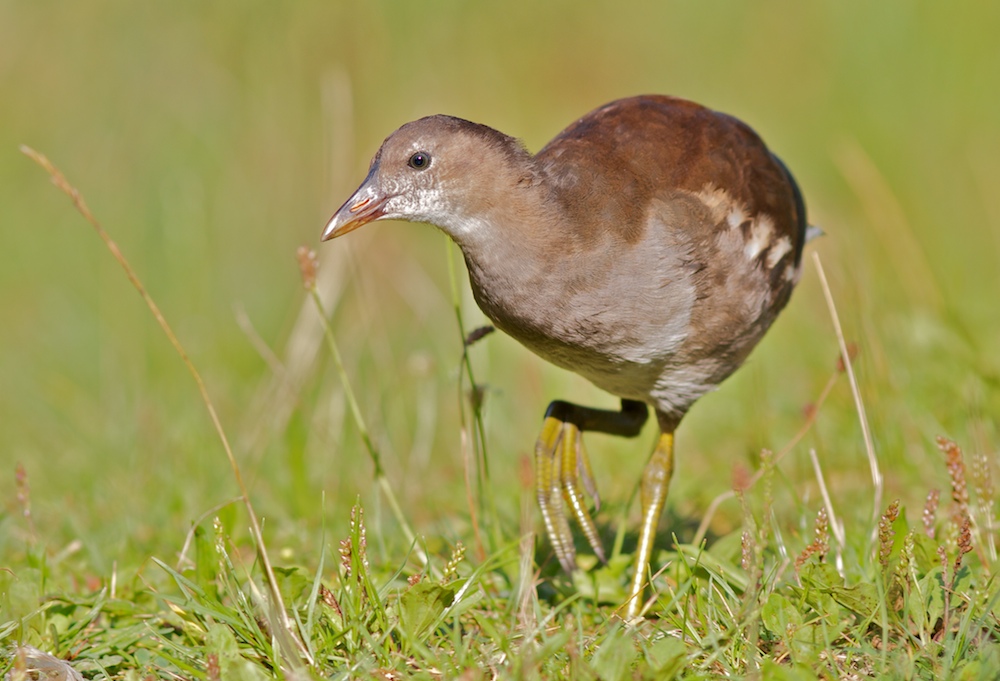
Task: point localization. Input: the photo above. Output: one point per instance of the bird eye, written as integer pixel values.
(420, 160)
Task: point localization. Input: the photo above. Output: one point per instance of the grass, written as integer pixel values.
(709, 616)
(197, 134)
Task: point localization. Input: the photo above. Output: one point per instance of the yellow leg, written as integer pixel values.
(655, 481)
(562, 468)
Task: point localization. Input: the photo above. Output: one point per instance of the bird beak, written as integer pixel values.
(363, 207)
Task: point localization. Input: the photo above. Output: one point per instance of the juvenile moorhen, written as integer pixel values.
(648, 247)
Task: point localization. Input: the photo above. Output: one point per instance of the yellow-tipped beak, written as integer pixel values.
(364, 206)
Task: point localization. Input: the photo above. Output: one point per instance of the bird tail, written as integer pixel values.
(800, 208)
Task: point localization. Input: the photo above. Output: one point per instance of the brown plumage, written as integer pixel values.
(647, 247)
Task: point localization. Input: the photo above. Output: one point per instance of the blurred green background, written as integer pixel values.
(212, 139)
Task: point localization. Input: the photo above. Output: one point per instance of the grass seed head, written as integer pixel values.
(906, 558)
(478, 334)
(345, 556)
(886, 534)
(307, 266)
(852, 354)
(358, 524)
(749, 538)
(220, 536)
(451, 569)
(742, 479)
(24, 497)
(476, 396)
(820, 544)
(327, 598)
(748, 545)
(767, 465)
(23, 491)
(956, 470)
(929, 515)
(964, 542)
(982, 478)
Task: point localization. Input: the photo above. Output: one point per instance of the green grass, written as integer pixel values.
(211, 141)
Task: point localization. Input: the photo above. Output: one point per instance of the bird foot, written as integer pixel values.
(563, 474)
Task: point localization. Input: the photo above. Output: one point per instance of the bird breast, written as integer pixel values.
(615, 315)
(661, 319)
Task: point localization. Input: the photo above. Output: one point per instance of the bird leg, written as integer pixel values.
(562, 466)
(653, 493)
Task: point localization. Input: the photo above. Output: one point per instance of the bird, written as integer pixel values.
(647, 247)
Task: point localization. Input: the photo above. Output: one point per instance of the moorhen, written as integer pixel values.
(648, 247)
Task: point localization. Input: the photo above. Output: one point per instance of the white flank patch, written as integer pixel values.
(778, 250)
(761, 232)
(761, 237)
(721, 206)
(737, 216)
(717, 201)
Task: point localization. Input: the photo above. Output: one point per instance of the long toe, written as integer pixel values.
(576, 471)
(549, 491)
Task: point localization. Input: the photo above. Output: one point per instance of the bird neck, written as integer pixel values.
(509, 234)
(511, 242)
